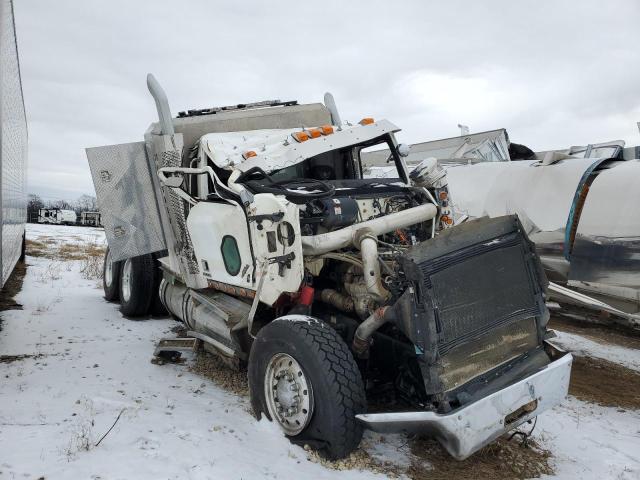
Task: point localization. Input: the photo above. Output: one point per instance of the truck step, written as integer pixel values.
(170, 349)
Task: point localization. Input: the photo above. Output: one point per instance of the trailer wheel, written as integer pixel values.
(303, 376)
(110, 278)
(136, 285)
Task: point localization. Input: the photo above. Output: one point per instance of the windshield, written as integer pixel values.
(341, 164)
(332, 165)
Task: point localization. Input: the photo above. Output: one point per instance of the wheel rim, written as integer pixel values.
(108, 270)
(288, 393)
(126, 280)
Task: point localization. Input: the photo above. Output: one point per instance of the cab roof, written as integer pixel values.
(274, 149)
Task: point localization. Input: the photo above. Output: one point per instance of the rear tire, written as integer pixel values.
(289, 355)
(111, 278)
(136, 285)
(157, 308)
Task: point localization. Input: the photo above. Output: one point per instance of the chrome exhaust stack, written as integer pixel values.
(330, 103)
(162, 105)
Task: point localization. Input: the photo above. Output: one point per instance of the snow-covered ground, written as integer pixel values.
(591, 442)
(86, 365)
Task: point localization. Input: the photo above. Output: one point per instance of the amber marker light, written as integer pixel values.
(300, 136)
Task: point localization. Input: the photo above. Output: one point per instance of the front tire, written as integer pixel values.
(307, 359)
(110, 278)
(136, 285)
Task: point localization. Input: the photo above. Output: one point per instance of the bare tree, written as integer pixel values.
(61, 204)
(86, 203)
(34, 204)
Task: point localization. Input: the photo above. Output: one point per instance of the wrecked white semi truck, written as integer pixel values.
(336, 291)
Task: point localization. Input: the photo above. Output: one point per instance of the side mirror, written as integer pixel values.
(429, 174)
(404, 150)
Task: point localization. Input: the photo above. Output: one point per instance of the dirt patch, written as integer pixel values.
(602, 334)
(38, 248)
(180, 330)
(605, 383)
(66, 251)
(502, 460)
(70, 251)
(213, 368)
(90, 254)
(12, 287)
(16, 358)
(357, 460)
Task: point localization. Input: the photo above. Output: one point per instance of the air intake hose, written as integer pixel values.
(366, 329)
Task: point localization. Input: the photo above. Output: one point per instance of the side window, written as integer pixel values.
(377, 162)
(230, 255)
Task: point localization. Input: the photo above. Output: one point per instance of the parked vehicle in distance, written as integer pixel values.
(90, 219)
(13, 148)
(57, 216)
(333, 289)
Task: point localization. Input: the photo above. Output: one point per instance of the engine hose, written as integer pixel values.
(366, 329)
(338, 300)
(371, 266)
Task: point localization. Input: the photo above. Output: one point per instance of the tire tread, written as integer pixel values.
(344, 379)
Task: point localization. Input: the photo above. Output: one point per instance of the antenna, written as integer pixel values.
(464, 130)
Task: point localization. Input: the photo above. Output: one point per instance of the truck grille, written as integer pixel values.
(480, 299)
(480, 289)
(497, 346)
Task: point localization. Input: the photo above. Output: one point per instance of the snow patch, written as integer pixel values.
(627, 357)
(299, 318)
(591, 442)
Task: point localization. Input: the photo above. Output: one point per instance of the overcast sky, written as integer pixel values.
(554, 73)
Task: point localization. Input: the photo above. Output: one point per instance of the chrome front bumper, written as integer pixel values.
(466, 430)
